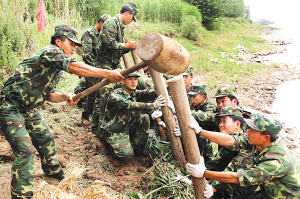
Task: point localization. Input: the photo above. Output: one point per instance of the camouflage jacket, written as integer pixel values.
(275, 168)
(111, 44)
(205, 106)
(228, 160)
(89, 41)
(145, 83)
(121, 106)
(206, 147)
(207, 119)
(36, 77)
(224, 155)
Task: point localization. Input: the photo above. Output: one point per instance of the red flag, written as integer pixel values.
(40, 16)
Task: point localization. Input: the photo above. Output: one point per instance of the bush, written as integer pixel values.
(190, 27)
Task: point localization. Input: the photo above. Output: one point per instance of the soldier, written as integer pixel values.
(275, 169)
(89, 40)
(225, 96)
(126, 118)
(231, 122)
(109, 52)
(32, 84)
(187, 78)
(198, 97)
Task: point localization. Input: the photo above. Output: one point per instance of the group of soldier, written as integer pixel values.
(243, 153)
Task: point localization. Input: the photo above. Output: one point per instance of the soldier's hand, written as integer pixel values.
(70, 100)
(160, 101)
(171, 106)
(131, 44)
(115, 76)
(156, 114)
(176, 131)
(184, 180)
(194, 125)
(161, 123)
(208, 192)
(196, 170)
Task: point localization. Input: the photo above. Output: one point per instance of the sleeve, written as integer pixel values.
(204, 117)
(118, 101)
(145, 95)
(220, 160)
(262, 173)
(86, 49)
(56, 58)
(241, 142)
(109, 35)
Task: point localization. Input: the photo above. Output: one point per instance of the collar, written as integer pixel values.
(258, 156)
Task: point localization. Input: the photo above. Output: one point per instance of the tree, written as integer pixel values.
(210, 10)
(234, 8)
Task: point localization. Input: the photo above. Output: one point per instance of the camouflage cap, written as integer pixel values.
(265, 122)
(133, 8)
(133, 74)
(105, 17)
(67, 31)
(231, 111)
(225, 91)
(189, 71)
(197, 88)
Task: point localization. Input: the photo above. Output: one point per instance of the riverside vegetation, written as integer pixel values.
(173, 18)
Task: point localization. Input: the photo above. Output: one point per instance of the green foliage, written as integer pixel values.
(234, 8)
(210, 10)
(166, 10)
(190, 27)
(12, 41)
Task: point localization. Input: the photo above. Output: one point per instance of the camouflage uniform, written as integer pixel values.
(275, 168)
(206, 105)
(126, 119)
(90, 40)
(206, 146)
(207, 119)
(188, 71)
(228, 160)
(20, 122)
(81, 86)
(109, 51)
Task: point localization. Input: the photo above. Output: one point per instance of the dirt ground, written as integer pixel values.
(75, 143)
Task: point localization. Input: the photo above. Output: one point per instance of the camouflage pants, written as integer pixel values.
(24, 131)
(90, 99)
(137, 133)
(100, 104)
(81, 86)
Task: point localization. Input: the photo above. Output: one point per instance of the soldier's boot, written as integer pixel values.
(59, 176)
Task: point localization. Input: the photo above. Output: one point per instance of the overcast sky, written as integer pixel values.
(283, 12)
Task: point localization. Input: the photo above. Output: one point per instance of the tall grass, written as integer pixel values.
(172, 11)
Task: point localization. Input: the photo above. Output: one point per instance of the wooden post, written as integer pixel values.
(191, 148)
(176, 145)
(136, 59)
(126, 60)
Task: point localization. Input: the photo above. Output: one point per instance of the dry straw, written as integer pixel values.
(68, 188)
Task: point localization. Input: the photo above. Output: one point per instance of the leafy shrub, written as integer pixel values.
(190, 27)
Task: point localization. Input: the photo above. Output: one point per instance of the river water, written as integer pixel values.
(287, 94)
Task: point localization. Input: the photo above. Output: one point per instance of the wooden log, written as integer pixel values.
(106, 81)
(122, 64)
(126, 60)
(175, 142)
(158, 50)
(136, 59)
(191, 148)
